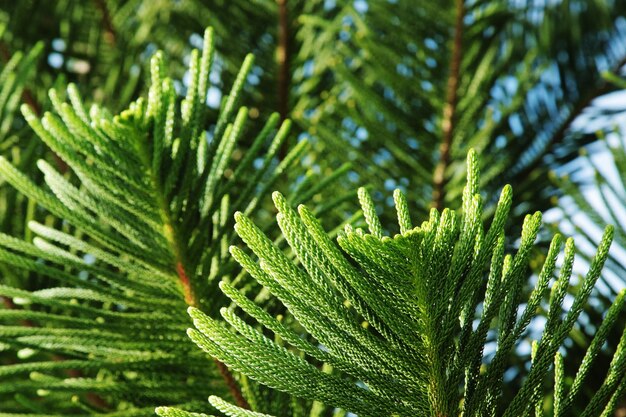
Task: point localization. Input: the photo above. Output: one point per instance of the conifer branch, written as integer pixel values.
(150, 200)
(191, 300)
(559, 135)
(449, 109)
(429, 281)
(603, 88)
(181, 263)
(392, 319)
(172, 236)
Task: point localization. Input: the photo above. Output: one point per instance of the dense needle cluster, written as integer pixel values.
(398, 325)
(125, 288)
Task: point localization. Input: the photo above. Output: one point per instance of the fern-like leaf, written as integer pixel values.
(135, 232)
(402, 322)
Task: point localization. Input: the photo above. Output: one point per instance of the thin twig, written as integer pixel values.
(449, 109)
(559, 135)
(191, 300)
(283, 58)
(282, 55)
(9, 305)
(109, 31)
(92, 398)
(232, 385)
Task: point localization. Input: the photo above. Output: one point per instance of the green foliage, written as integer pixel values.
(587, 202)
(15, 74)
(16, 139)
(401, 323)
(125, 221)
(137, 231)
(599, 200)
(357, 73)
(524, 76)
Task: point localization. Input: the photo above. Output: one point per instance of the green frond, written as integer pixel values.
(231, 410)
(115, 217)
(403, 321)
(173, 412)
(135, 230)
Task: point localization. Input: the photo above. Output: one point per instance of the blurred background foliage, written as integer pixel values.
(367, 80)
(398, 89)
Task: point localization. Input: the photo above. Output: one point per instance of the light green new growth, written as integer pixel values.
(398, 325)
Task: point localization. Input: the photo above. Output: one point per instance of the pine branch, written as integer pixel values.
(560, 134)
(403, 321)
(150, 202)
(603, 87)
(29, 98)
(449, 109)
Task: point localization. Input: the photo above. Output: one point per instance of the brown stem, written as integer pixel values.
(4, 52)
(191, 300)
(232, 385)
(282, 59)
(190, 297)
(109, 31)
(8, 304)
(97, 401)
(449, 109)
(282, 56)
